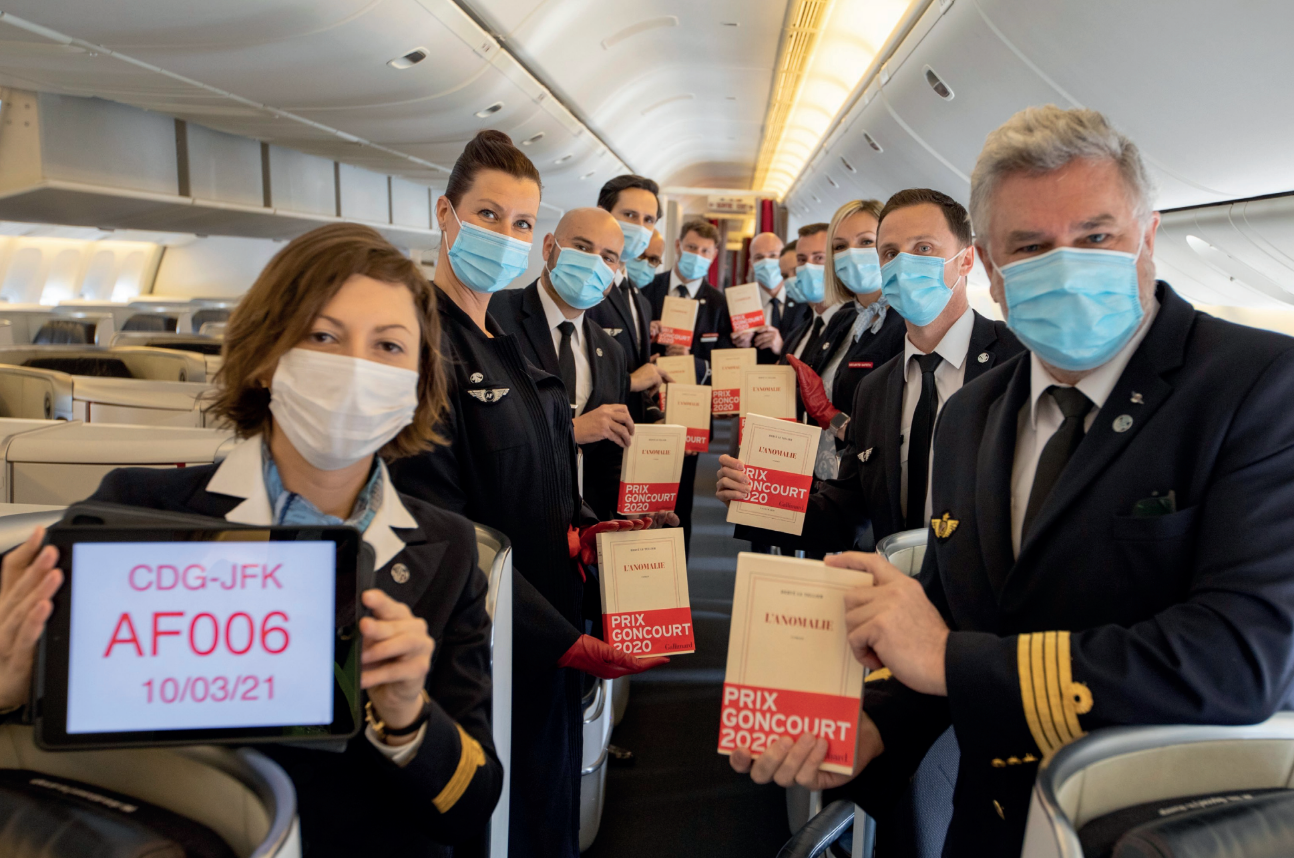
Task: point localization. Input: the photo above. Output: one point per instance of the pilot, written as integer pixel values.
(626, 314)
(765, 249)
(510, 463)
(824, 328)
(924, 238)
(1109, 542)
(331, 366)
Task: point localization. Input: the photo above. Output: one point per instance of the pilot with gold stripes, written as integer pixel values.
(1109, 540)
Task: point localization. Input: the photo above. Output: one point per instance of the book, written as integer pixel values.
(766, 390)
(677, 320)
(681, 368)
(779, 456)
(790, 669)
(725, 370)
(745, 307)
(689, 405)
(651, 468)
(645, 605)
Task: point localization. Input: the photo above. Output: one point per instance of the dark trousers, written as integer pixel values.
(683, 508)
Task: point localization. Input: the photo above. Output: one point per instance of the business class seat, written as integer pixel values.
(598, 716)
(156, 322)
(209, 316)
(60, 332)
(139, 362)
(24, 320)
(494, 557)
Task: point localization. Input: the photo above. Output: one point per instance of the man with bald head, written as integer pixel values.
(780, 313)
(556, 334)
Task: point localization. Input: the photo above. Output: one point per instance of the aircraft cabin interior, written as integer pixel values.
(165, 164)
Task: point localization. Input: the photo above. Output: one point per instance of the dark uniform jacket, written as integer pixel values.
(615, 317)
(870, 352)
(1170, 616)
(793, 314)
(359, 802)
(816, 354)
(510, 464)
(870, 469)
(713, 326)
(520, 313)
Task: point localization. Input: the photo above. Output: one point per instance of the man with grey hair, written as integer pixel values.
(1109, 542)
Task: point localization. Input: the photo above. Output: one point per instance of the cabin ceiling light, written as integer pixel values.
(489, 111)
(827, 47)
(564, 159)
(587, 175)
(408, 60)
(533, 138)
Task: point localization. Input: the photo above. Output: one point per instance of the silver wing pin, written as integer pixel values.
(491, 395)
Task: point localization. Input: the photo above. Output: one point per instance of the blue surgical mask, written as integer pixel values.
(580, 278)
(914, 286)
(486, 261)
(637, 237)
(1073, 307)
(768, 273)
(809, 283)
(693, 266)
(793, 290)
(859, 268)
(640, 271)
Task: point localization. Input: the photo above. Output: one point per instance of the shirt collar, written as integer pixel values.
(1097, 384)
(692, 286)
(829, 312)
(954, 345)
(555, 316)
(778, 295)
(242, 475)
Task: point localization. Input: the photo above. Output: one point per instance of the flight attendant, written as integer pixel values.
(331, 365)
(852, 272)
(510, 463)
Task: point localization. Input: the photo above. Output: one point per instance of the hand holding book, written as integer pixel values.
(604, 661)
(812, 393)
(786, 762)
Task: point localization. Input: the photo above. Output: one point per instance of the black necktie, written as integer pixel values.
(923, 424)
(627, 289)
(775, 317)
(1055, 455)
(806, 353)
(566, 360)
(681, 291)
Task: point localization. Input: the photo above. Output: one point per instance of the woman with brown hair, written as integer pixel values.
(510, 463)
(332, 365)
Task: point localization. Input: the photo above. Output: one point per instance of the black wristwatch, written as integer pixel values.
(383, 731)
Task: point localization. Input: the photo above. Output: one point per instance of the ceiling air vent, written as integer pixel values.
(533, 138)
(832, 182)
(936, 83)
(563, 159)
(871, 141)
(588, 175)
(848, 166)
(490, 111)
(815, 198)
(409, 60)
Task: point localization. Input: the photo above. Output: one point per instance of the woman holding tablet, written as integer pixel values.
(331, 365)
(511, 464)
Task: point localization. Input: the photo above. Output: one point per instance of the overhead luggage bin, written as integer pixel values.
(494, 557)
(64, 463)
(241, 795)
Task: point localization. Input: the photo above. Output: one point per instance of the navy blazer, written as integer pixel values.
(359, 802)
(869, 482)
(1178, 615)
(713, 326)
(520, 313)
(870, 352)
(793, 315)
(615, 317)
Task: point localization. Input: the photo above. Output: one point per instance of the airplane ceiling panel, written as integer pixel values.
(1269, 224)
(1209, 282)
(1188, 83)
(1233, 250)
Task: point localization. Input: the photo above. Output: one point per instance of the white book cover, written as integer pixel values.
(689, 405)
(725, 371)
(677, 320)
(645, 605)
(790, 669)
(651, 468)
(766, 390)
(745, 307)
(779, 456)
(681, 368)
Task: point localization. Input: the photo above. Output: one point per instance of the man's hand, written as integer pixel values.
(649, 378)
(653, 328)
(397, 656)
(741, 339)
(892, 624)
(605, 423)
(673, 350)
(667, 518)
(785, 762)
(28, 581)
(733, 484)
(769, 338)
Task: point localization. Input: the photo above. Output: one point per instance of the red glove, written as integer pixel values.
(588, 542)
(605, 661)
(812, 393)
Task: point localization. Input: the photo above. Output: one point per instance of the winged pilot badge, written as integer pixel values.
(945, 526)
(490, 394)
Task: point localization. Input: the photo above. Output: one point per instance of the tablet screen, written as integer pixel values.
(199, 635)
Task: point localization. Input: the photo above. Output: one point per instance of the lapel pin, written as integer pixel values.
(983, 357)
(599, 351)
(400, 573)
(1138, 399)
(826, 346)
(489, 395)
(1122, 423)
(944, 526)
(865, 455)
(476, 378)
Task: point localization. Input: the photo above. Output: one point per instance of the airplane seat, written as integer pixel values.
(494, 557)
(619, 699)
(1167, 790)
(212, 329)
(97, 367)
(209, 315)
(27, 393)
(7, 332)
(150, 322)
(64, 332)
(593, 769)
(241, 796)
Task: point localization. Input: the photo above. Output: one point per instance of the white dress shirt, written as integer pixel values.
(583, 369)
(768, 299)
(948, 380)
(826, 320)
(692, 286)
(1040, 417)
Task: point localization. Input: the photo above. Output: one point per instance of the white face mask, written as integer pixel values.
(337, 410)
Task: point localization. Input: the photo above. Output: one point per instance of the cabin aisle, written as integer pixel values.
(681, 797)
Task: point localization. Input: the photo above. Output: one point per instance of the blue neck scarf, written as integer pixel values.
(291, 508)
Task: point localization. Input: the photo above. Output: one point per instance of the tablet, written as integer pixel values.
(166, 634)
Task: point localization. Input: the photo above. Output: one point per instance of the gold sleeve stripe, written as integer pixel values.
(878, 675)
(1051, 698)
(471, 759)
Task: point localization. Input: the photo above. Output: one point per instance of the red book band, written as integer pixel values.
(674, 337)
(647, 497)
(746, 321)
(643, 633)
(698, 440)
(753, 718)
(779, 489)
